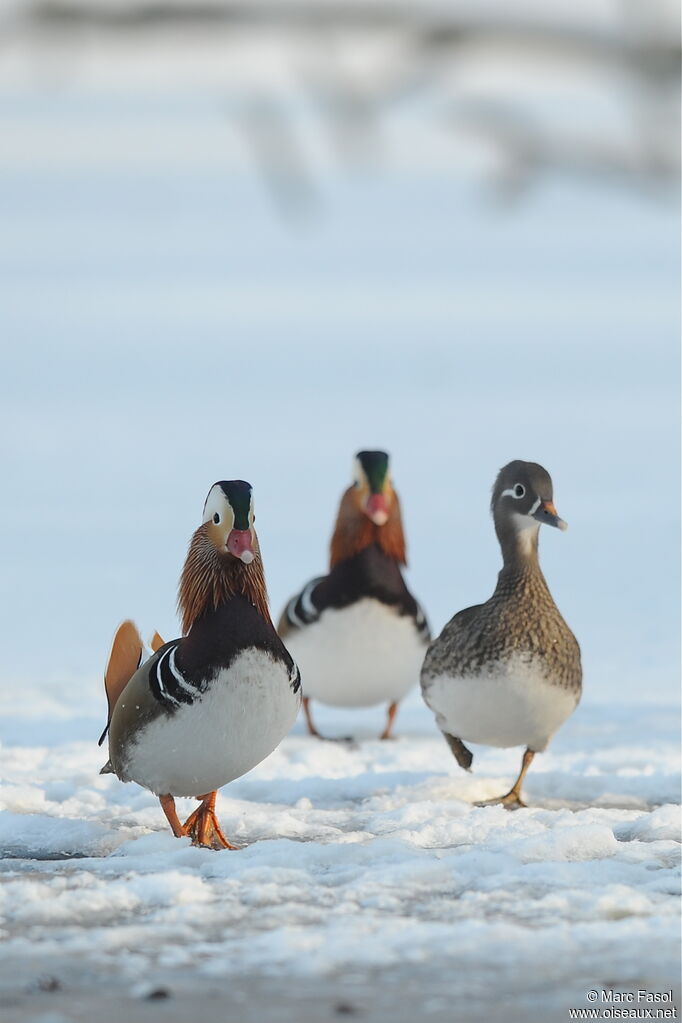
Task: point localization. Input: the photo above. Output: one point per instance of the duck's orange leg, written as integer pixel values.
(512, 800)
(202, 825)
(388, 730)
(168, 807)
(193, 819)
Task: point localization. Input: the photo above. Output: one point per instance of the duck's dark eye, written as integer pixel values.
(519, 490)
(216, 518)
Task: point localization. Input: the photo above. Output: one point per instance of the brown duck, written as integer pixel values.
(507, 672)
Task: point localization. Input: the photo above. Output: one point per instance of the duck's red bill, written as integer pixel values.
(240, 544)
(377, 509)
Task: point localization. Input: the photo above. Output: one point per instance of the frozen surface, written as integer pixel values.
(357, 857)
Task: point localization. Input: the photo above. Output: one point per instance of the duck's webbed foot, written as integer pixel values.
(512, 800)
(202, 825)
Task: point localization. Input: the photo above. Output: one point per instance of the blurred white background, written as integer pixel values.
(240, 246)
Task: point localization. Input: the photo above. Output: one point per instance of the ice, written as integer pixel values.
(356, 856)
(36, 836)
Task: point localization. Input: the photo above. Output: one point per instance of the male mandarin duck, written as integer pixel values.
(357, 633)
(206, 708)
(507, 672)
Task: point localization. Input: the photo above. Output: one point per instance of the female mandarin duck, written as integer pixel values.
(507, 672)
(204, 709)
(358, 633)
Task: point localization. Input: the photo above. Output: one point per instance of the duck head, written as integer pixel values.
(223, 560)
(369, 511)
(229, 518)
(372, 487)
(522, 501)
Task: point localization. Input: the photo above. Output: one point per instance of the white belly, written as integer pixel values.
(512, 705)
(241, 718)
(358, 656)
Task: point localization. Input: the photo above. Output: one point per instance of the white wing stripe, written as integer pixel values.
(162, 689)
(291, 613)
(187, 686)
(307, 605)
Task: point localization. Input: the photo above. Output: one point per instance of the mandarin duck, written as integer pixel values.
(507, 672)
(206, 708)
(357, 633)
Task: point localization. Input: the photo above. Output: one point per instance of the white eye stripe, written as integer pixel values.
(511, 492)
(217, 504)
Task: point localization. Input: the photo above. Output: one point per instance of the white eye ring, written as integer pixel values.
(519, 491)
(216, 518)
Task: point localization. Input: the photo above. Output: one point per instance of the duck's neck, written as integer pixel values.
(521, 563)
(210, 579)
(354, 532)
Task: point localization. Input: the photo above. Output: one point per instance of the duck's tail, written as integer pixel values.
(125, 658)
(127, 653)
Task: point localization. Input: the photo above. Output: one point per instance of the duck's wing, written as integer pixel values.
(303, 609)
(445, 651)
(334, 591)
(463, 619)
(156, 642)
(124, 660)
(421, 622)
(137, 706)
(158, 686)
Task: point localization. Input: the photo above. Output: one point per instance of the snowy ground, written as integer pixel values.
(359, 862)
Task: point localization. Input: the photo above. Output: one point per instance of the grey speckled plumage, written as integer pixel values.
(521, 616)
(508, 672)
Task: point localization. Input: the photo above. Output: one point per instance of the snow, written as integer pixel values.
(362, 855)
